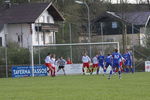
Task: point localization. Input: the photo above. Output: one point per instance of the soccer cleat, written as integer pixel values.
(83, 73)
(109, 78)
(119, 76)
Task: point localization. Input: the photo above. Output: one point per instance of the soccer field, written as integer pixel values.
(78, 87)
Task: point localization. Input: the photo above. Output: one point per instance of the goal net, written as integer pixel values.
(73, 51)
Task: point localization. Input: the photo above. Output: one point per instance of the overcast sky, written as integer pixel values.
(130, 1)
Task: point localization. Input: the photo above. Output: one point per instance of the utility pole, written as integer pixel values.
(101, 24)
(124, 36)
(89, 23)
(70, 31)
(6, 51)
(124, 26)
(148, 4)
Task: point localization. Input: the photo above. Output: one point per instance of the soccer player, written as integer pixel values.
(108, 61)
(86, 62)
(128, 63)
(125, 56)
(116, 63)
(48, 63)
(95, 63)
(53, 63)
(69, 61)
(61, 63)
(101, 59)
(122, 61)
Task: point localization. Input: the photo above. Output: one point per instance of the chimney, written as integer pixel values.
(7, 4)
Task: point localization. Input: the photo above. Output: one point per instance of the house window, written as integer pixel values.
(114, 25)
(20, 38)
(50, 39)
(43, 19)
(0, 41)
(42, 39)
(48, 19)
(37, 38)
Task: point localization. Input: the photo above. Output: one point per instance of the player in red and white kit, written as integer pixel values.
(48, 63)
(95, 63)
(53, 63)
(121, 63)
(86, 62)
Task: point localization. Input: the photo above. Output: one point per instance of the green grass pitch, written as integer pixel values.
(77, 87)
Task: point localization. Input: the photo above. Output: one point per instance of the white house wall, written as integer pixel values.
(43, 18)
(3, 37)
(15, 30)
(49, 36)
(135, 39)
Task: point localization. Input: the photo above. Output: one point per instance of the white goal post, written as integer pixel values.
(71, 44)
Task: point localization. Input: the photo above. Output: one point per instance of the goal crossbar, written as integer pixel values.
(78, 44)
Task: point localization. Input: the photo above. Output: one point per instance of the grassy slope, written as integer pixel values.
(130, 87)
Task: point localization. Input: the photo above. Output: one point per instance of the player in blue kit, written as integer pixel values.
(125, 56)
(128, 62)
(101, 63)
(108, 61)
(116, 63)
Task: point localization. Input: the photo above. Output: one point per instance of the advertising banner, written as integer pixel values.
(147, 66)
(71, 69)
(77, 69)
(26, 71)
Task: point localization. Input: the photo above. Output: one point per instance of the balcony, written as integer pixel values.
(46, 27)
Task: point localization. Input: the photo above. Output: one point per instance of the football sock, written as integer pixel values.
(132, 69)
(127, 70)
(83, 70)
(97, 71)
(104, 70)
(111, 72)
(92, 69)
(51, 72)
(119, 72)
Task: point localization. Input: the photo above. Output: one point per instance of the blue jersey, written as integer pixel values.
(100, 59)
(127, 56)
(108, 59)
(116, 57)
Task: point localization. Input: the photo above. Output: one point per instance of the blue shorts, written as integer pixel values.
(117, 65)
(126, 63)
(107, 64)
(101, 65)
(129, 63)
